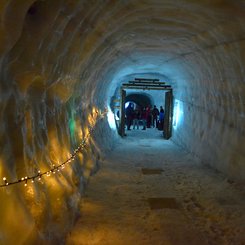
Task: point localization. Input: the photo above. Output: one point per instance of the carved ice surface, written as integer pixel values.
(63, 60)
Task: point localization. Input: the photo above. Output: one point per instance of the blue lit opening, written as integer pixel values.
(178, 113)
(111, 119)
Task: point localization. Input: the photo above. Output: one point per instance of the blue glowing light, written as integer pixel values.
(178, 113)
(111, 119)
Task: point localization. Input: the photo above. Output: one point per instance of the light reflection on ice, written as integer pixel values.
(178, 113)
(111, 119)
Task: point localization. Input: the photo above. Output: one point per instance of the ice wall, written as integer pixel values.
(61, 61)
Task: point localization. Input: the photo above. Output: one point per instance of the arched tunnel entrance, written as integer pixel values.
(145, 113)
(62, 63)
(140, 100)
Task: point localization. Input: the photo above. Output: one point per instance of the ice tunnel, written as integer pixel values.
(63, 61)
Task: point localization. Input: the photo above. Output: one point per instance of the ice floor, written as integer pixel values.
(149, 191)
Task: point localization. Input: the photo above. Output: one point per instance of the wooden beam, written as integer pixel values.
(147, 87)
(145, 79)
(147, 82)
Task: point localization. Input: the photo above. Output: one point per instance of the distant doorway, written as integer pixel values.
(147, 84)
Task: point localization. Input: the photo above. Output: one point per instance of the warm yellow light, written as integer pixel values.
(92, 118)
(80, 133)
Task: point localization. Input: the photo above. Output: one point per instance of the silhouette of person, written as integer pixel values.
(161, 119)
(129, 115)
(155, 114)
(148, 116)
(136, 118)
(143, 118)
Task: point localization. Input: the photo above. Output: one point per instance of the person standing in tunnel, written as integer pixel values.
(161, 119)
(129, 115)
(148, 116)
(136, 118)
(143, 118)
(155, 113)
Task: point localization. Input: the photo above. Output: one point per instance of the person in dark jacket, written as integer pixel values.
(155, 114)
(129, 115)
(136, 118)
(143, 118)
(161, 119)
(148, 116)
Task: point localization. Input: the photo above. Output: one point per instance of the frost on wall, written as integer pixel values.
(42, 122)
(58, 60)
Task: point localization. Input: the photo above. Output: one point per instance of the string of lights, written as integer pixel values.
(55, 168)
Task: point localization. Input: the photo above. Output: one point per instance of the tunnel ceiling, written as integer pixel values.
(72, 44)
(62, 62)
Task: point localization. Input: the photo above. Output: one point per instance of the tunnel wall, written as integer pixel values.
(47, 110)
(58, 60)
(213, 107)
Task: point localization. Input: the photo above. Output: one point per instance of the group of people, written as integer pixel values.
(147, 116)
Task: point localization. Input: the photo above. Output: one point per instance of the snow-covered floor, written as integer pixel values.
(198, 205)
